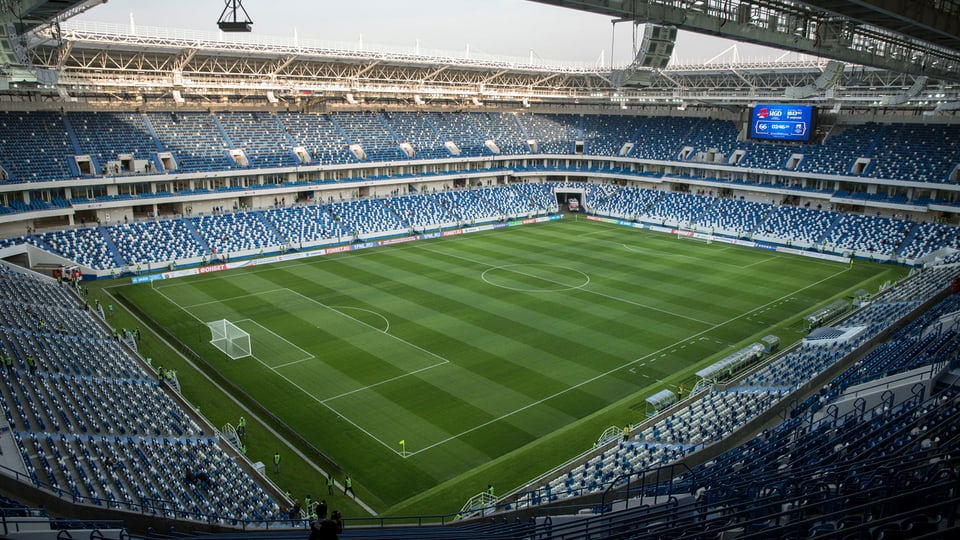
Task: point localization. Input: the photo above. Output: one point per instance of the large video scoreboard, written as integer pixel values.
(782, 122)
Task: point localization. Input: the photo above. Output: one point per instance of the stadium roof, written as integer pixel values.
(74, 61)
(27, 15)
(918, 37)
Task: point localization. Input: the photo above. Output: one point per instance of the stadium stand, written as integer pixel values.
(851, 433)
(419, 212)
(468, 206)
(367, 217)
(462, 131)
(628, 202)
(261, 137)
(225, 233)
(606, 135)
(665, 138)
(536, 198)
(868, 235)
(372, 134)
(202, 142)
(303, 224)
(88, 247)
(797, 225)
(95, 426)
(114, 246)
(681, 208)
(66, 396)
(197, 142)
(927, 238)
(92, 423)
(156, 241)
(767, 156)
(840, 150)
(713, 141)
(740, 217)
(107, 137)
(919, 153)
(36, 147)
(321, 138)
(503, 130)
(415, 128)
(914, 429)
(553, 133)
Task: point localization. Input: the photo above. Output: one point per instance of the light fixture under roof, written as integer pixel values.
(234, 17)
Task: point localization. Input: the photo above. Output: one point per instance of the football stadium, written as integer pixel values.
(272, 288)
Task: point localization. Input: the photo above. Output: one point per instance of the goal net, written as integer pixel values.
(689, 234)
(229, 338)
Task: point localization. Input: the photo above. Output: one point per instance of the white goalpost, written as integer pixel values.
(690, 234)
(229, 338)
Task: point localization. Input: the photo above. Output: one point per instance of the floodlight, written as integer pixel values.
(234, 17)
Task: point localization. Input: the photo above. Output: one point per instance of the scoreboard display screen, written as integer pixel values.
(782, 122)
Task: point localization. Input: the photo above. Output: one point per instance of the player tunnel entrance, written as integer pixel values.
(570, 200)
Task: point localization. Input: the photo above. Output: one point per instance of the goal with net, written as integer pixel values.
(229, 338)
(689, 234)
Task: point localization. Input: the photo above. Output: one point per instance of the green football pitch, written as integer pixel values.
(494, 356)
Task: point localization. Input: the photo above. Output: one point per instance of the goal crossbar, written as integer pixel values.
(229, 338)
(689, 234)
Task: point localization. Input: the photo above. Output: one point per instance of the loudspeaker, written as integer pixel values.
(657, 46)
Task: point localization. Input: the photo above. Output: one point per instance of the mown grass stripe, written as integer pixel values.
(521, 365)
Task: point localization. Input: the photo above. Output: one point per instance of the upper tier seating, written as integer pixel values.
(321, 138)
(713, 140)
(918, 153)
(461, 130)
(416, 129)
(371, 133)
(261, 137)
(194, 139)
(839, 152)
(767, 155)
(503, 130)
(605, 135)
(106, 135)
(35, 147)
(40, 146)
(554, 133)
(663, 138)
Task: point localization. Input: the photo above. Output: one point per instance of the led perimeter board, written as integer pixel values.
(782, 122)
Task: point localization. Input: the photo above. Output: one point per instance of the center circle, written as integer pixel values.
(535, 277)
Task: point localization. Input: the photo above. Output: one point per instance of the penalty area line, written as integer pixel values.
(626, 365)
(385, 381)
